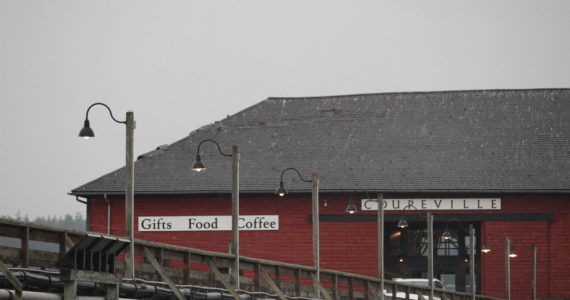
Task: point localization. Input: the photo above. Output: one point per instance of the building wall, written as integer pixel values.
(351, 246)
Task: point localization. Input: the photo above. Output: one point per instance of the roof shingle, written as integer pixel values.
(487, 140)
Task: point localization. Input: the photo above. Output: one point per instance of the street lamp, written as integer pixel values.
(404, 224)
(351, 209)
(471, 231)
(282, 191)
(510, 253)
(86, 132)
(199, 166)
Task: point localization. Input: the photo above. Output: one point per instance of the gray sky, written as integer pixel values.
(180, 65)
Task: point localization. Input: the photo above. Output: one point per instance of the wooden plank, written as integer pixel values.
(256, 276)
(25, 247)
(366, 286)
(278, 276)
(350, 288)
(298, 282)
(373, 290)
(187, 265)
(62, 245)
(220, 277)
(274, 286)
(158, 267)
(335, 293)
(18, 286)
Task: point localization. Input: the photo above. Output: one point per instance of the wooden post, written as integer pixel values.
(472, 261)
(315, 208)
(430, 254)
(507, 269)
(256, 277)
(25, 247)
(534, 256)
(350, 288)
(62, 243)
(323, 291)
(235, 216)
(278, 276)
(380, 224)
(160, 259)
(129, 197)
(335, 294)
(187, 266)
(298, 282)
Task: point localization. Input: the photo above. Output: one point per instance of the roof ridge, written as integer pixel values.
(418, 93)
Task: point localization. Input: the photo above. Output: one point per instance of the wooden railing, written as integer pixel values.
(37, 246)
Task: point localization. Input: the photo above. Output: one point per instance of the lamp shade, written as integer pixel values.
(485, 248)
(198, 165)
(86, 132)
(281, 191)
(446, 234)
(351, 208)
(402, 223)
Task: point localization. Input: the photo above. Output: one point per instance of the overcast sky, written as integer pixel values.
(180, 65)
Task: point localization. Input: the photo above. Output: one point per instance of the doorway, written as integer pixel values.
(406, 252)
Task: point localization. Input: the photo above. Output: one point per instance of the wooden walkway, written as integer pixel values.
(40, 247)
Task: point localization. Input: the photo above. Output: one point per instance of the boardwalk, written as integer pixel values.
(31, 253)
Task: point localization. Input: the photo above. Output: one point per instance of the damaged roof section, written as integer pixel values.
(485, 140)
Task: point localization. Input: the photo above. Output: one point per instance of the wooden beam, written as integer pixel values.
(350, 288)
(256, 276)
(187, 265)
(336, 295)
(25, 248)
(274, 286)
(18, 286)
(373, 289)
(322, 289)
(298, 282)
(220, 277)
(158, 267)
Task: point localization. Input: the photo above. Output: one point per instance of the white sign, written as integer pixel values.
(207, 223)
(434, 204)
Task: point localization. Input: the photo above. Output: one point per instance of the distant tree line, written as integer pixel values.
(68, 221)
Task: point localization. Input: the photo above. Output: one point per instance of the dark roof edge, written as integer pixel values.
(424, 191)
(421, 92)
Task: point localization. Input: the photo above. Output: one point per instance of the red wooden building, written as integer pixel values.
(496, 159)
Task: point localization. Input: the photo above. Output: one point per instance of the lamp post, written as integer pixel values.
(86, 132)
(510, 253)
(507, 268)
(199, 166)
(380, 224)
(471, 231)
(403, 224)
(281, 191)
(351, 209)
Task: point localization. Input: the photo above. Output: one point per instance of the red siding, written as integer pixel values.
(351, 246)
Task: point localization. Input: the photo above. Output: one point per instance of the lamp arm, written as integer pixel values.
(458, 222)
(212, 141)
(109, 109)
(297, 171)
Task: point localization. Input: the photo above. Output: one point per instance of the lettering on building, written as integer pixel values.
(207, 223)
(434, 204)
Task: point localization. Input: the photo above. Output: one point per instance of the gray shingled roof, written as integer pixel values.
(495, 140)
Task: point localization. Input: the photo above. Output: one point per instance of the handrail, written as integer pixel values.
(296, 278)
